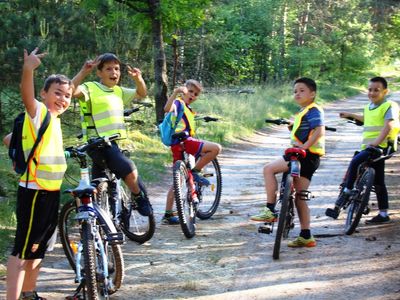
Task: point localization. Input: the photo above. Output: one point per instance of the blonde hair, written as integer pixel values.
(195, 83)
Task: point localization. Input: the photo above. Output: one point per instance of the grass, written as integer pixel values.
(240, 115)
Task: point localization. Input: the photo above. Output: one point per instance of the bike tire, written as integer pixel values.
(136, 227)
(283, 225)
(89, 261)
(69, 231)
(210, 196)
(360, 201)
(103, 198)
(184, 205)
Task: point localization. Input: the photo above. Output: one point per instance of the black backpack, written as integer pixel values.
(15, 151)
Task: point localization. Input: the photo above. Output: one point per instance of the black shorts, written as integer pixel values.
(37, 214)
(309, 165)
(113, 159)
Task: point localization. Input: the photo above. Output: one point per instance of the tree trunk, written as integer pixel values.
(160, 65)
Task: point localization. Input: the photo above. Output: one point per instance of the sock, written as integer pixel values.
(271, 207)
(305, 233)
(195, 170)
(169, 213)
(137, 195)
(383, 214)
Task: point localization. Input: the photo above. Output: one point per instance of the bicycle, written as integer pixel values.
(194, 199)
(89, 238)
(357, 202)
(285, 204)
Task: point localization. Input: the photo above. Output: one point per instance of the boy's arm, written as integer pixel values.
(136, 74)
(317, 133)
(348, 115)
(31, 62)
(7, 139)
(169, 105)
(86, 69)
(384, 132)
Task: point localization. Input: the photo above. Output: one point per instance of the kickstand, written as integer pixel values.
(77, 295)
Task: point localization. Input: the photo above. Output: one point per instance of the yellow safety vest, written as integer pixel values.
(48, 165)
(319, 146)
(374, 121)
(103, 114)
(190, 117)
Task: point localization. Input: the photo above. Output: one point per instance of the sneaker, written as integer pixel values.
(170, 220)
(378, 220)
(199, 178)
(143, 204)
(31, 296)
(265, 215)
(302, 242)
(342, 199)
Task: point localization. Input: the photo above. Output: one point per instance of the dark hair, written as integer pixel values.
(105, 58)
(194, 83)
(56, 78)
(381, 80)
(308, 82)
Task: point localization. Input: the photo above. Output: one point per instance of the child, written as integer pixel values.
(307, 132)
(102, 112)
(38, 200)
(381, 126)
(207, 151)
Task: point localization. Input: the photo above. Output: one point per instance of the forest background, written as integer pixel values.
(246, 53)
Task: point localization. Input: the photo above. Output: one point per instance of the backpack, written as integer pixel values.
(15, 151)
(167, 128)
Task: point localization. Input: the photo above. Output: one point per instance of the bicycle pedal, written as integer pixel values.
(265, 229)
(115, 238)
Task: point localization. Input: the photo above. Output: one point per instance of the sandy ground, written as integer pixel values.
(229, 259)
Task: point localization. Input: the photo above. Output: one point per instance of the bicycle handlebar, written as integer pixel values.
(282, 121)
(354, 121)
(80, 150)
(207, 119)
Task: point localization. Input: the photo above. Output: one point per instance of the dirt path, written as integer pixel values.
(228, 259)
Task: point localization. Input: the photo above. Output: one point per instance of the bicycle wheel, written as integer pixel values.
(360, 201)
(210, 196)
(183, 201)
(103, 199)
(136, 227)
(89, 260)
(69, 231)
(284, 216)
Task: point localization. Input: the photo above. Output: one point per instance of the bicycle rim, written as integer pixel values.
(183, 201)
(360, 201)
(136, 227)
(210, 196)
(283, 216)
(69, 231)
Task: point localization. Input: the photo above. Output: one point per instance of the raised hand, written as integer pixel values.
(134, 72)
(33, 60)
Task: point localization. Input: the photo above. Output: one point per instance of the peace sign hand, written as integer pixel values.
(33, 60)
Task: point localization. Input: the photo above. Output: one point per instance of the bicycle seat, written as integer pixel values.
(297, 152)
(180, 136)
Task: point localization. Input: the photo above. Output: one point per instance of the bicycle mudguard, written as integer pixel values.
(105, 219)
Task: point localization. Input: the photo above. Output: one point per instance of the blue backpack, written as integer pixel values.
(167, 127)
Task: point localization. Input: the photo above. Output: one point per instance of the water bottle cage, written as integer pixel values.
(304, 195)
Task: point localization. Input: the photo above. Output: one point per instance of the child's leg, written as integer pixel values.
(209, 151)
(32, 269)
(170, 200)
(271, 184)
(302, 184)
(15, 277)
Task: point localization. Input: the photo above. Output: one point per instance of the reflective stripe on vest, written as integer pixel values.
(190, 117)
(374, 122)
(319, 146)
(48, 165)
(103, 114)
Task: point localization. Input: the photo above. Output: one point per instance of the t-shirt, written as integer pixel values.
(312, 119)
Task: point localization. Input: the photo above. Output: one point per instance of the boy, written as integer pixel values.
(38, 200)
(381, 126)
(207, 151)
(307, 132)
(102, 113)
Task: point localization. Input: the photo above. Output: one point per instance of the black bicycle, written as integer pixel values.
(285, 204)
(89, 238)
(194, 199)
(357, 202)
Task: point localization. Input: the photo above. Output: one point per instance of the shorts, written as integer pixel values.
(110, 158)
(309, 165)
(191, 146)
(37, 214)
